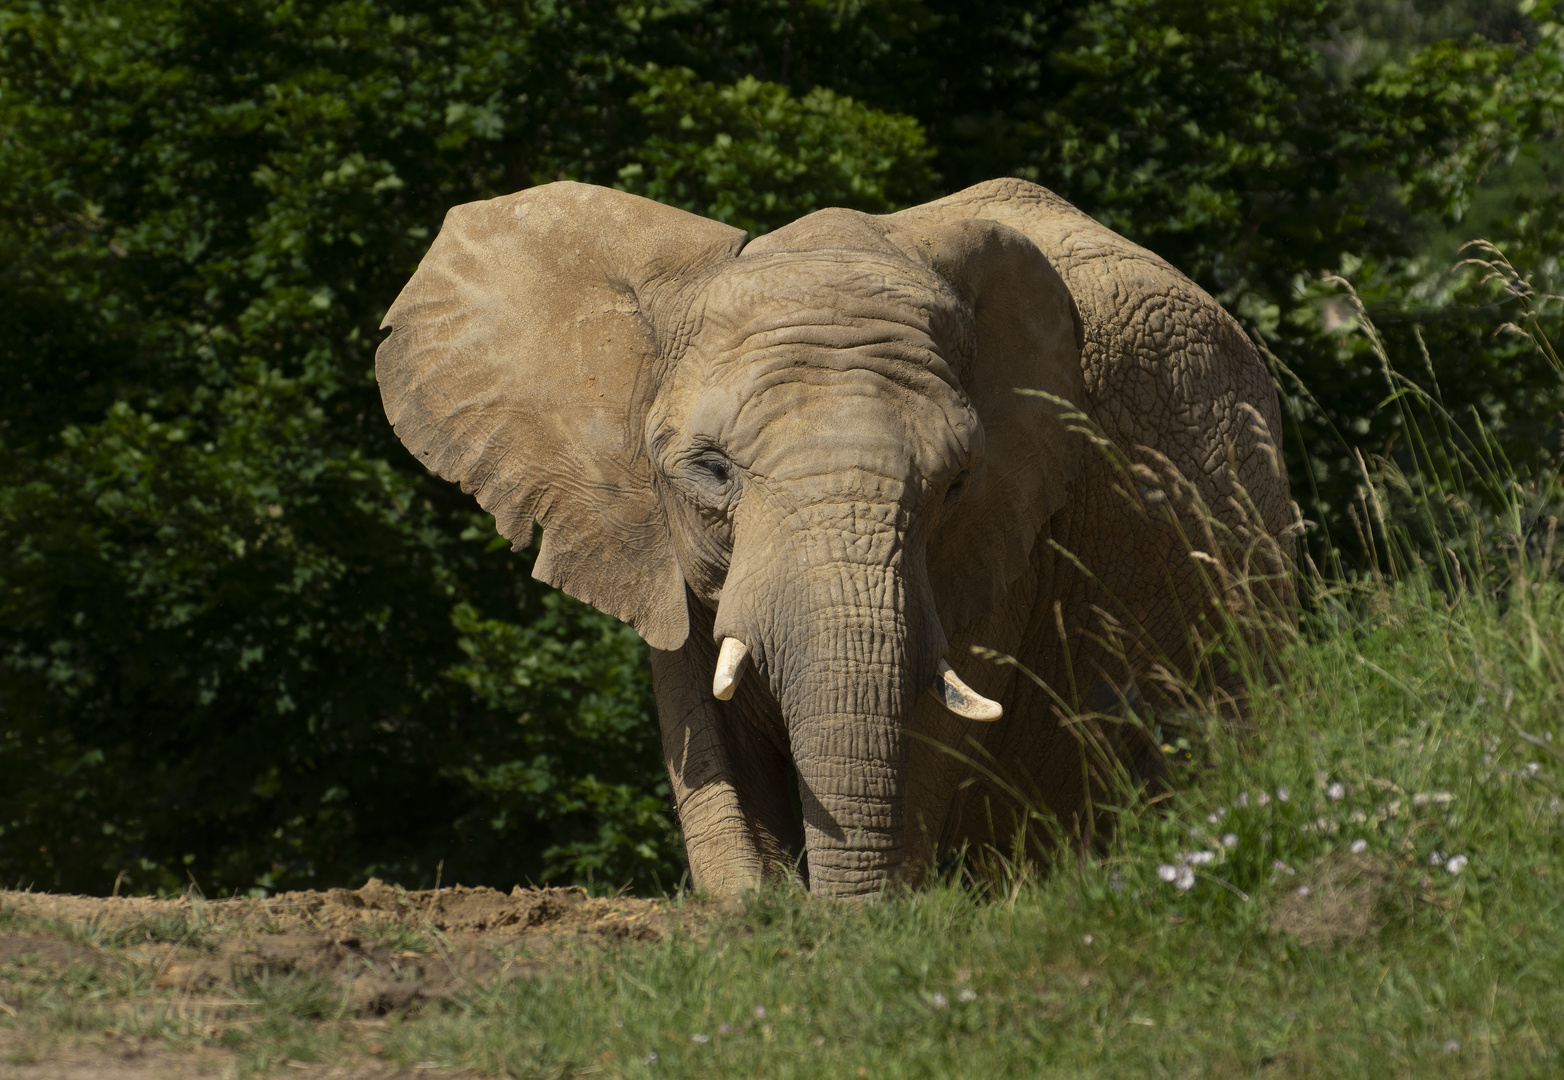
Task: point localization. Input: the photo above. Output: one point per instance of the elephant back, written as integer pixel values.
(1168, 372)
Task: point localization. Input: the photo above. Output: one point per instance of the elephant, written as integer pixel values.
(801, 466)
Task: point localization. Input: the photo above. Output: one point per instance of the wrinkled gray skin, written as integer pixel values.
(811, 442)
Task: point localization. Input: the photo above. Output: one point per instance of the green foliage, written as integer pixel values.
(753, 156)
(1500, 182)
(576, 682)
(227, 597)
(244, 637)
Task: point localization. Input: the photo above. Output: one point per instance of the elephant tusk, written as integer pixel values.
(961, 699)
(729, 660)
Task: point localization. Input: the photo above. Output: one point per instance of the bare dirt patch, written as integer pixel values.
(1340, 899)
(455, 910)
(129, 987)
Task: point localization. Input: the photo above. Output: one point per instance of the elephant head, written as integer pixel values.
(814, 434)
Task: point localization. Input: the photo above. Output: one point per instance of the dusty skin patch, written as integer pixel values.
(194, 964)
(1339, 899)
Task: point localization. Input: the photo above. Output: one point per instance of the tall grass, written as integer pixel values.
(1450, 541)
(1417, 703)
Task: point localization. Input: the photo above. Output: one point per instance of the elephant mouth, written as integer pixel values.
(947, 687)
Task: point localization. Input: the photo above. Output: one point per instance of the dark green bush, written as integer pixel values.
(244, 638)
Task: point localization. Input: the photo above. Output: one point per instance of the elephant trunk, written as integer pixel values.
(849, 645)
(848, 722)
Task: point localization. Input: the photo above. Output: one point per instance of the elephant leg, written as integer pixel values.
(729, 769)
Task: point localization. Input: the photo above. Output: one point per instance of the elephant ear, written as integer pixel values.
(518, 354)
(1028, 337)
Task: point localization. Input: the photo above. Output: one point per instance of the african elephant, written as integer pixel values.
(803, 455)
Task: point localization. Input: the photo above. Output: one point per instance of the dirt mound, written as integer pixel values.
(464, 910)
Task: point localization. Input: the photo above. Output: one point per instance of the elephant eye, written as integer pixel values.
(957, 489)
(713, 465)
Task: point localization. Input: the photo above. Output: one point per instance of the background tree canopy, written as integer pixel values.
(245, 638)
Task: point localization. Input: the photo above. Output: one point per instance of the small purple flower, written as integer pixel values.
(760, 1012)
(723, 1029)
(1303, 890)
